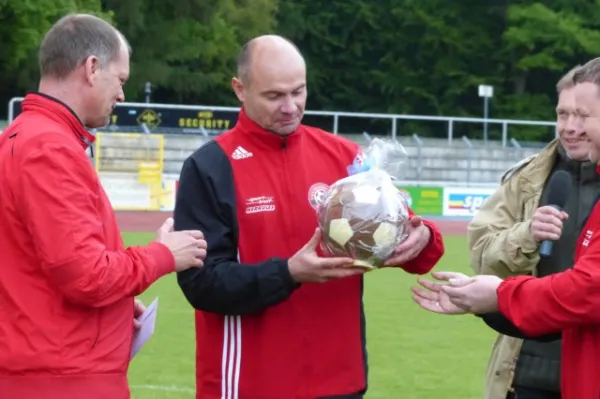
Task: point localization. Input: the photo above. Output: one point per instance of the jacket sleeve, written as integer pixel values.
(206, 201)
(430, 255)
(570, 298)
(500, 243)
(499, 323)
(58, 198)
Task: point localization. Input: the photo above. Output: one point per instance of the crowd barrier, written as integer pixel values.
(126, 193)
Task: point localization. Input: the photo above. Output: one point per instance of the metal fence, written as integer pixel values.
(469, 175)
(174, 117)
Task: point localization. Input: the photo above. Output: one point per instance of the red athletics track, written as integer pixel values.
(150, 221)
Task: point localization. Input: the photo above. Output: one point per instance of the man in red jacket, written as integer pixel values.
(567, 302)
(67, 284)
(264, 327)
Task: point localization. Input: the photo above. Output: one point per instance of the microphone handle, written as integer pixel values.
(546, 249)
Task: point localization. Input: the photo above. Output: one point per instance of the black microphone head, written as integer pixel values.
(559, 188)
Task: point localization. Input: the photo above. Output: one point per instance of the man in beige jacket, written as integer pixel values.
(504, 238)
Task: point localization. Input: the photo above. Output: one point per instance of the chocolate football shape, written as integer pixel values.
(362, 220)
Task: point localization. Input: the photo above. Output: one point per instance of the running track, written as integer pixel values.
(150, 221)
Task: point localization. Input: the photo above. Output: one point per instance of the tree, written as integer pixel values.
(23, 24)
(188, 48)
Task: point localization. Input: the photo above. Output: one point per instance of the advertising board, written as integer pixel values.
(459, 201)
(424, 200)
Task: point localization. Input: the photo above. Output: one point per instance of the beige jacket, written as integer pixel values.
(500, 243)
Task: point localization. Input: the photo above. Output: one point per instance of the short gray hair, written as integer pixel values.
(74, 38)
(566, 82)
(589, 72)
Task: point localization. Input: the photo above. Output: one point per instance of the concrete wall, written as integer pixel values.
(436, 160)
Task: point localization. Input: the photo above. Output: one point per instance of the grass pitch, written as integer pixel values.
(413, 354)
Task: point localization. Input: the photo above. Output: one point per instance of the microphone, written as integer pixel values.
(559, 188)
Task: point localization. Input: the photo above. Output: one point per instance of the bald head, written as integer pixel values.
(265, 50)
(271, 83)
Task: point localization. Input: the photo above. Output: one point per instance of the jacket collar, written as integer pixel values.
(265, 138)
(543, 164)
(582, 170)
(58, 111)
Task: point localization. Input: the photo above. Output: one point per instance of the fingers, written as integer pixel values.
(415, 221)
(197, 262)
(461, 302)
(547, 210)
(455, 293)
(550, 210)
(546, 231)
(430, 285)
(311, 245)
(407, 244)
(546, 236)
(197, 234)
(425, 294)
(334, 263)
(197, 256)
(457, 297)
(412, 246)
(407, 250)
(550, 220)
(167, 226)
(432, 306)
(138, 307)
(136, 324)
(334, 274)
(446, 276)
(461, 282)
(547, 223)
(201, 254)
(401, 258)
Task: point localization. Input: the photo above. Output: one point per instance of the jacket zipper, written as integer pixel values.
(89, 144)
(288, 180)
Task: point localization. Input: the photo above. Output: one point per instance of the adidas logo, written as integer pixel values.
(241, 153)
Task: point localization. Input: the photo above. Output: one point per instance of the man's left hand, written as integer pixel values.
(138, 309)
(418, 238)
(477, 296)
(430, 295)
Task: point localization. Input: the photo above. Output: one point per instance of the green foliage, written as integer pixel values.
(542, 38)
(188, 48)
(23, 24)
(389, 56)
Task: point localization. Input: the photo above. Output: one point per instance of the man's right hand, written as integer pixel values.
(307, 267)
(547, 223)
(188, 247)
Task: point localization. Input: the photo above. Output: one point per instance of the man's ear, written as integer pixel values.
(92, 67)
(238, 88)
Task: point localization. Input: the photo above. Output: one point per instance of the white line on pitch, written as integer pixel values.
(167, 388)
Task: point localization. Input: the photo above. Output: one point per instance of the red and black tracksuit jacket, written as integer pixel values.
(259, 334)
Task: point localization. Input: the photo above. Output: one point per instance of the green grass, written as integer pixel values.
(412, 353)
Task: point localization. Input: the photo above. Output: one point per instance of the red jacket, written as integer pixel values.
(67, 284)
(567, 302)
(259, 334)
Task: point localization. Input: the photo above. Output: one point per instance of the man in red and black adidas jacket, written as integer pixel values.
(265, 328)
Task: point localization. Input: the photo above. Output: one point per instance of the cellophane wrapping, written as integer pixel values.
(364, 216)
